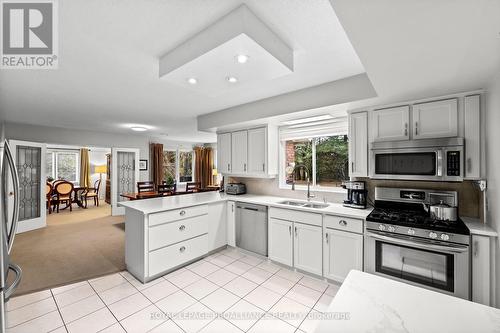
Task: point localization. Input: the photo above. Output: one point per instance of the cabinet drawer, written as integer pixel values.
(177, 254)
(344, 223)
(177, 214)
(173, 232)
(296, 216)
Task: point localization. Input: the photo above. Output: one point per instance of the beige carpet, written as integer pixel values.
(75, 246)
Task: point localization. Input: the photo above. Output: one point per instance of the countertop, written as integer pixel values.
(476, 227)
(376, 304)
(149, 206)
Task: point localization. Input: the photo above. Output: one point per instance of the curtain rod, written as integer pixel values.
(67, 149)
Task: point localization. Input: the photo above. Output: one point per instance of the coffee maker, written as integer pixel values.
(356, 194)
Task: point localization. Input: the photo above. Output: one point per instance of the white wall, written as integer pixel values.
(97, 156)
(493, 165)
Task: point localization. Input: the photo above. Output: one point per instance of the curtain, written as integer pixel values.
(156, 153)
(203, 166)
(84, 168)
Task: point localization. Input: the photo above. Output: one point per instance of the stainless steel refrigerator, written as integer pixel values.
(9, 210)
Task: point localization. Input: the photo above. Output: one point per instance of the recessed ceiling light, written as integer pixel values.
(308, 120)
(231, 79)
(138, 128)
(242, 58)
(192, 80)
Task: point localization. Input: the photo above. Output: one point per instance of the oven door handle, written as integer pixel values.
(440, 163)
(413, 242)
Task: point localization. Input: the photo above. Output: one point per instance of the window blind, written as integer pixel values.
(337, 126)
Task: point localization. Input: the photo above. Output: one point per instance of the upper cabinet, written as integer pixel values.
(435, 119)
(390, 124)
(472, 135)
(358, 144)
(248, 153)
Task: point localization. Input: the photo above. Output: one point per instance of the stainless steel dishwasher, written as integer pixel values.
(251, 227)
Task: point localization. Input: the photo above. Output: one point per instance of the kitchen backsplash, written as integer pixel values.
(469, 196)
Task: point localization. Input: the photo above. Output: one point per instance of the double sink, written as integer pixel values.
(316, 205)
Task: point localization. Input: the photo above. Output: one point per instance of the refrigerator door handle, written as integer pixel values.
(10, 289)
(15, 183)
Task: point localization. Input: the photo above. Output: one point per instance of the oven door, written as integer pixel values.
(408, 163)
(428, 264)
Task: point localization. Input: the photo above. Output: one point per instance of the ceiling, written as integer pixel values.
(108, 64)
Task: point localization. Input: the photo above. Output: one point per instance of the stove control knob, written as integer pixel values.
(432, 235)
(391, 228)
(445, 237)
(381, 227)
(411, 232)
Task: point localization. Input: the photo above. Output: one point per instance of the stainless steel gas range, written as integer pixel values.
(404, 243)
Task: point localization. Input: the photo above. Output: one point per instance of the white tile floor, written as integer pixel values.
(228, 291)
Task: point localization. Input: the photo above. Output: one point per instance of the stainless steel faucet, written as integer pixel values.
(309, 195)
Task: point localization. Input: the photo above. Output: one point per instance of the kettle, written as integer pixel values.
(443, 212)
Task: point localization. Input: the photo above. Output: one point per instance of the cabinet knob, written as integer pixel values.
(343, 223)
(182, 213)
(182, 227)
(182, 249)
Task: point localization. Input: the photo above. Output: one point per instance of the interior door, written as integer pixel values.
(29, 159)
(124, 176)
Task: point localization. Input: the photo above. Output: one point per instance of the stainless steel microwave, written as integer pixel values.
(429, 159)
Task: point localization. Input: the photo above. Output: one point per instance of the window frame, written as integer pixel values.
(178, 151)
(299, 187)
(55, 173)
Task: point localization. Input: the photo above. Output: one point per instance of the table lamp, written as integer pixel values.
(100, 169)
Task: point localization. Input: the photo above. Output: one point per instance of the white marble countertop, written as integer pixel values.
(154, 205)
(476, 227)
(377, 304)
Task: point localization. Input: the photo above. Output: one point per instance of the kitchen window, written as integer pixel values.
(322, 150)
(63, 165)
(178, 165)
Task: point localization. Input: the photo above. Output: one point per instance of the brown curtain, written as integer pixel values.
(203, 166)
(156, 157)
(84, 168)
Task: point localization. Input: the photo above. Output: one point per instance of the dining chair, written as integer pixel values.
(48, 196)
(92, 192)
(166, 188)
(64, 191)
(193, 186)
(148, 186)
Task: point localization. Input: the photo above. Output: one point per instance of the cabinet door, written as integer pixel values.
(358, 144)
(435, 120)
(239, 152)
(231, 223)
(343, 252)
(280, 241)
(481, 269)
(390, 124)
(217, 225)
(308, 248)
(472, 137)
(224, 153)
(257, 150)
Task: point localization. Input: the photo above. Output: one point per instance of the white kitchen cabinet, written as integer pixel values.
(343, 251)
(231, 223)
(281, 241)
(481, 271)
(239, 152)
(472, 135)
(390, 124)
(358, 144)
(257, 151)
(435, 119)
(224, 153)
(307, 248)
(217, 225)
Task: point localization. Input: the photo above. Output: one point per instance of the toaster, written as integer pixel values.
(236, 188)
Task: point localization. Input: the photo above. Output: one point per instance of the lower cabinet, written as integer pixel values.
(217, 225)
(307, 248)
(280, 241)
(481, 269)
(231, 223)
(343, 251)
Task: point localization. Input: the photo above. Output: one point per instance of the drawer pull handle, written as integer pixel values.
(182, 212)
(182, 227)
(343, 223)
(182, 249)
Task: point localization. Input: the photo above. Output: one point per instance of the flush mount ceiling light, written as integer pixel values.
(308, 120)
(242, 58)
(231, 79)
(192, 80)
(138, 128)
